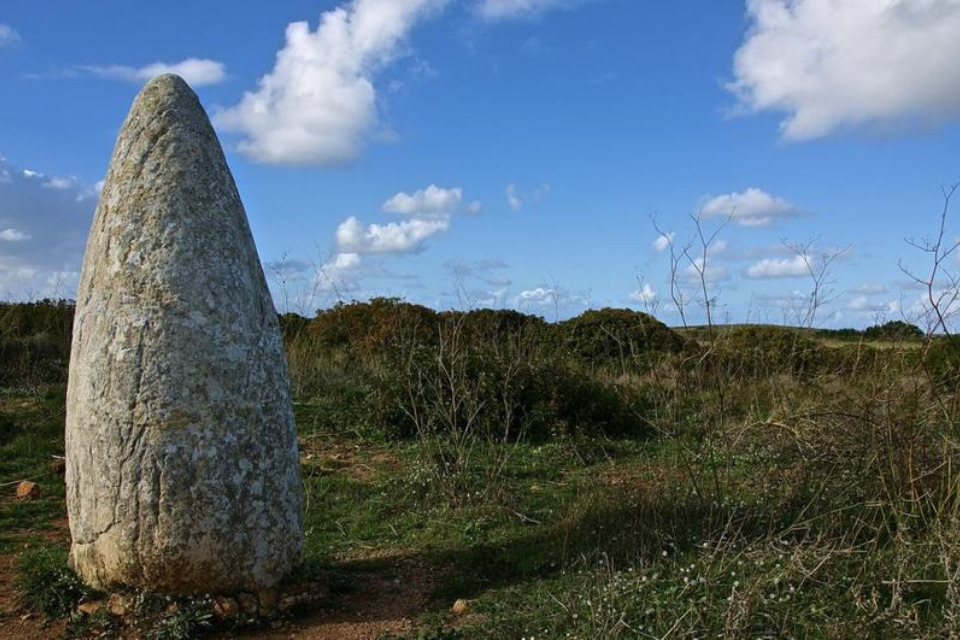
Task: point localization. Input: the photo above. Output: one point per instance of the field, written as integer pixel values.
(491, 475)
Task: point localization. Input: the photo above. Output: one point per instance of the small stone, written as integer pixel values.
(226, 608)
(460, 607)
(27, 490)
(294, 600)
(90, 608)
(119, 605)
(268, 598)
(58, 466)
(248, 603)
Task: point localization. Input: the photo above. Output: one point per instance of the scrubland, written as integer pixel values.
(601, 477)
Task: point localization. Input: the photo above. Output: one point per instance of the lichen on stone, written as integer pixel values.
(182, 463)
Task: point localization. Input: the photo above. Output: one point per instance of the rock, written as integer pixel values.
(268, 598)
(27, 490)
(460, 607)
(90, 608)
(248, 604)
(119, 605)
(226, 608)
(58, 466)
(182, 462)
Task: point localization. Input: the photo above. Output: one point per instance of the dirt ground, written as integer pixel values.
(376, 607)
(16, 622)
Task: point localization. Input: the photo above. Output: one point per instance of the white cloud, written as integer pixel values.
(13, 235)
(871, 289)
(487, 271)
(195, 71)
(829, 64)
(512, 198)
(506, 9)
(319, 104)
(644, 294)
(517, 200)
(42, 232)
(9, 36)
(339, 273)
(777, 268)
(698, 269)
(432, 200)
(751, 208)
(862, 304)
(663, 241)
(60, 183)
(540, 297)
(396, 237)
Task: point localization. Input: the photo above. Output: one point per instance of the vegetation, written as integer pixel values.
(601, 477)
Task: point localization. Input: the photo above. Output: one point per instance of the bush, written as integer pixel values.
(893, 330)
(35, 342)
(943, 360)
(619, 338)
(757, 351)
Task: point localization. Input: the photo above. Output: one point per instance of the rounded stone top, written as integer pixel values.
(168, 94)
(167, 83)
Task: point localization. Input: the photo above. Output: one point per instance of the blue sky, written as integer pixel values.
(515, 153)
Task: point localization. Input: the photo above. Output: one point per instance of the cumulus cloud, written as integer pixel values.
(13, 235)
(539, 297)
(663, 241)
(829, 64)
(699, 269)
(780, 268)
(340, 272)
(750, 208)
(197, 72)
(43, 229)
(319, 104)
(644, 294)
(432, 200)
(862, 304)
(508, 9)
(396, 237)
(9, 36)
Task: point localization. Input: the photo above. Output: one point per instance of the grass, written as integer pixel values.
(31, 433)
(800, 503)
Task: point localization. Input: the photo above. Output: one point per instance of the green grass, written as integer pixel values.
(762, 506)
(31, 433)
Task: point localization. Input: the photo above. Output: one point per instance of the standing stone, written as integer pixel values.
(182, 463)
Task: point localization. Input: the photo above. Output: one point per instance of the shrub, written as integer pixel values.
(35, 342)
(620, 338)
(943, 360)
(757, 351)
(893, 330)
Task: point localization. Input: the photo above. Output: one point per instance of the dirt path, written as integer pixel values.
(379, 605)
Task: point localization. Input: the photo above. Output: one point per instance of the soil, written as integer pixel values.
(379, 605)
(16, 623)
